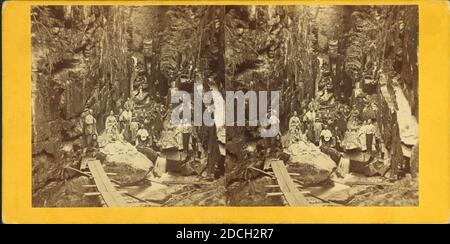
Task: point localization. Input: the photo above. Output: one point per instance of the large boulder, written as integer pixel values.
(352, 141)
(69, 193)
(130, 165)
(312, 165)
(44, 168)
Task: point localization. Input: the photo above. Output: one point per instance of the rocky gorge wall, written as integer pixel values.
(388, 37)
(328, 24)
(385, 38)
(167, 40)
(266, 48)
(402, 49)
(79, 60)
(271, 48)
(89, 57)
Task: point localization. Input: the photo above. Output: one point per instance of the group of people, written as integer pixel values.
(135, 126)
(139, 128)
(309, 127)
(326, 130)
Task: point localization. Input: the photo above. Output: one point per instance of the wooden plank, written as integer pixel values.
(185, 182)
(277, 186)
(110, 195)
(181, 182)
(118, 199)
(103, 175)
(87, 174)
(261, 171)
(89, 186)
(99, 193)
(287, 186)
(109, 200)
(97, 176)
(153, 204)
(353, 183)
(274, 194)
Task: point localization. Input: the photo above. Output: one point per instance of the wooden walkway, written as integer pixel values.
(106, 189)
(290, 191)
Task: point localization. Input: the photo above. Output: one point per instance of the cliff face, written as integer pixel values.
(328, 24)
(166, 40)
(364, 41)
(401, 52)
(410, 65)
(192, 36)
(79, 60)
(382, 44)
(271, 48)
(387, 38)
(91, 57)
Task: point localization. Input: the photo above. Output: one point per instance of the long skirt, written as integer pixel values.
(186, 137)
(369, 140)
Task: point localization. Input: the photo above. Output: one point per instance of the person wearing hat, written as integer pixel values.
(309, 119)
(125, 119)
(294, 126)
(186, 130)
(89, 127)
(369, 131)
(275, 141)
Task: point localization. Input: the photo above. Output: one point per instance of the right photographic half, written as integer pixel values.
(336, 87)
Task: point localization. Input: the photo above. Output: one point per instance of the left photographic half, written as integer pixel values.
(102, 121)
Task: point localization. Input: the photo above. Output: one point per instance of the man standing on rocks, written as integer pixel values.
(125, 117)
(89, 127)
(369, 131)
(309, 119)
(186, 130)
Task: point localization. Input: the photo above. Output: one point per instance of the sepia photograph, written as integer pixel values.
(103, 77)
(348, 105)
(209, 105)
